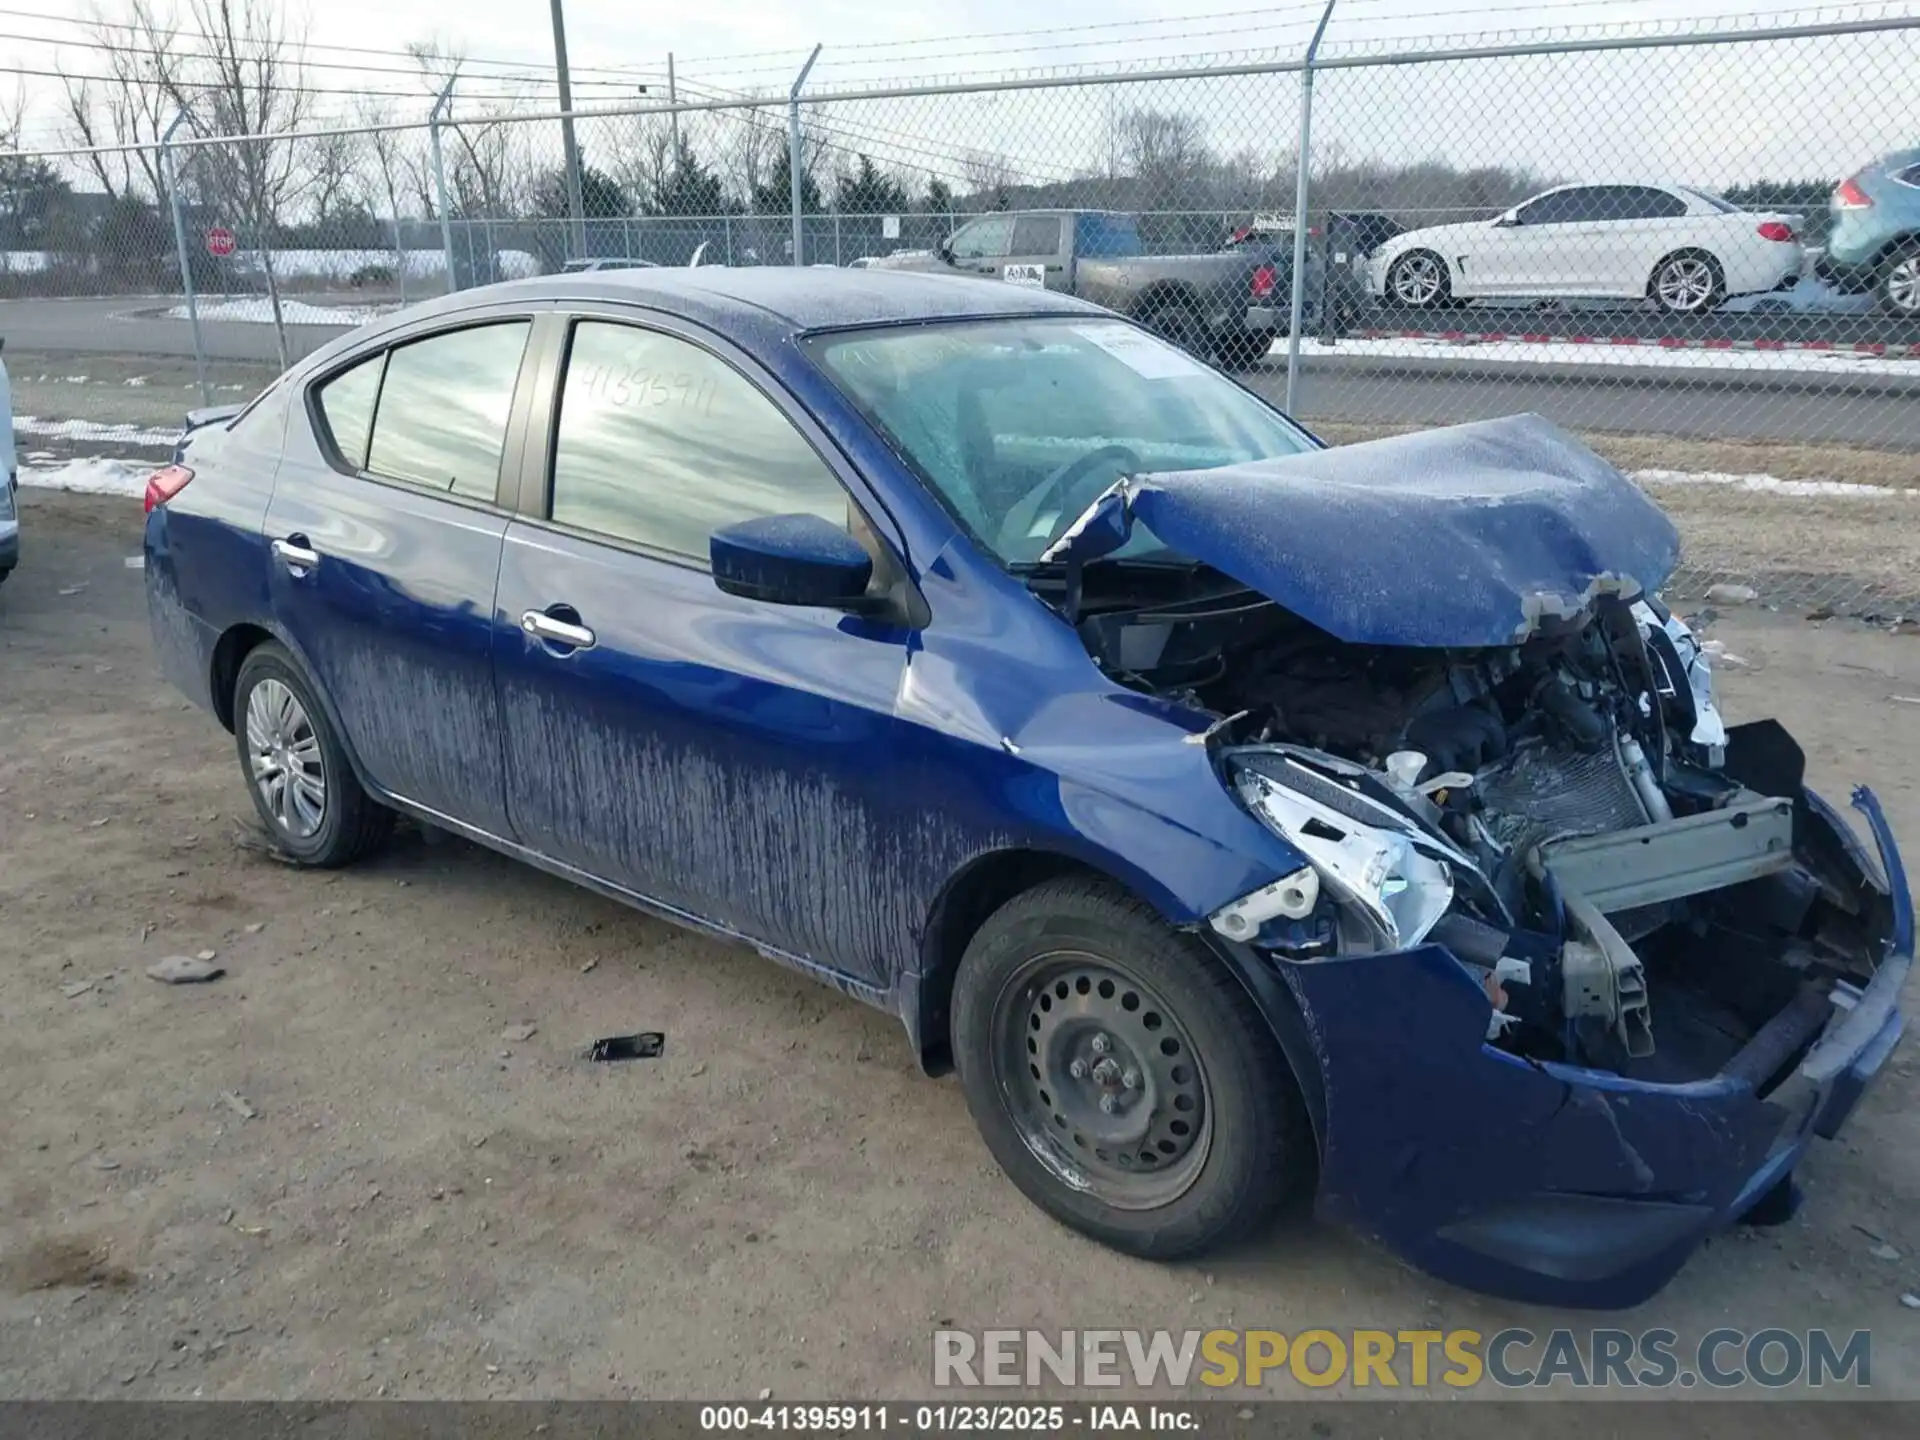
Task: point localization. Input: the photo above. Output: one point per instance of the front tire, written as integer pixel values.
(1688, 283)
(1419, 280)
(296, 770)
(1122, 1077)
(1898, 292)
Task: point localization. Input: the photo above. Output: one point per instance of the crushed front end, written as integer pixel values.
(1583, 970)
(1580, 968)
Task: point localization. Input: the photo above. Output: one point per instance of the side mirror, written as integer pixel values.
(1506, 221)
(790, 560)
(944, 249)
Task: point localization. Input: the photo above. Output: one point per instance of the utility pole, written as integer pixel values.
(673, 99)
(794, 156)
(570, 147)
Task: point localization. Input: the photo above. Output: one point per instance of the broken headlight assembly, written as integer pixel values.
(1386, 890)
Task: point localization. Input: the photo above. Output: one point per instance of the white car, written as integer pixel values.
(1683, 249)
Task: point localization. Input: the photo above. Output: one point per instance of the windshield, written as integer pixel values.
(1018, 425)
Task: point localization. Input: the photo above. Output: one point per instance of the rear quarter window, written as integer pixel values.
(346, 408)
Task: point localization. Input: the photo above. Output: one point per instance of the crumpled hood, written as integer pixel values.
(1467, 536)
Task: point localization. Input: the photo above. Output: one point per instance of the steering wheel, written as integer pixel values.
(1020, 515)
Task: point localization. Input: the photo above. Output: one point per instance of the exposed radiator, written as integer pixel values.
(1542, 791)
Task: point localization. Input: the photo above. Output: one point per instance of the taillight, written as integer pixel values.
(1776, 230)
(163, 485)
(1263, 282)
(1851, 197)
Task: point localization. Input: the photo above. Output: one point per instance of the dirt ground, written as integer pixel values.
(329, 1174)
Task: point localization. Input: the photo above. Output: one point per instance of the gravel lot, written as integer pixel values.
(330, 1174)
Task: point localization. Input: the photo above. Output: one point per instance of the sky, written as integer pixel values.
(1705, 118)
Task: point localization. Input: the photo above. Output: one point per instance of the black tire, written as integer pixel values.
(1243, 352)
(1251, 1146)
(1692, 273)
(1406, 282)
(1180, 324)
(350, 823)
(1897, 292)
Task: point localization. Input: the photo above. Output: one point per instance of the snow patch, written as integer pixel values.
(1772, 484)
(1601, 354)
(89, 475)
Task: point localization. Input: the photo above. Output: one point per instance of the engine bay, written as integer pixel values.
(1635, 886)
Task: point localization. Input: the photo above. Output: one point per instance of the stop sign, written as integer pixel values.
(220, 241)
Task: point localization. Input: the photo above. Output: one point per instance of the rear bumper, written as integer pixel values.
(1553, 1183)
(1267, 317)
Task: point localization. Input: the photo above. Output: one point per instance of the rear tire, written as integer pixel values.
(1898, 292)
(1243, 352)
(297, 772)
(1419, 280)
(1180, 324)
(1122, 1077)
(1688, 282)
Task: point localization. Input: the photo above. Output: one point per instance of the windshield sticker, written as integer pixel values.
(1034, 276)
(1141, 353)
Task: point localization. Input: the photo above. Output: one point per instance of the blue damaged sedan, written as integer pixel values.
(1240, 818)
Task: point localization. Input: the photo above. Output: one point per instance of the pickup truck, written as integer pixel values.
(1228, 306)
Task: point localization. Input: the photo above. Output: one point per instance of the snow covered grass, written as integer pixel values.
(93, 430)
(258, 310)
(89, 475)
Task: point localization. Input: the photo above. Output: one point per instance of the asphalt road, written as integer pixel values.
(1881, 411)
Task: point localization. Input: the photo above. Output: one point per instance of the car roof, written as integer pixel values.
(786, 297)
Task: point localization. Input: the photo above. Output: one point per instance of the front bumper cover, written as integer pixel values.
(1553, 1183)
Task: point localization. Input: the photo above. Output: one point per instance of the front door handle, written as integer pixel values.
(555, 631)
(296, 554)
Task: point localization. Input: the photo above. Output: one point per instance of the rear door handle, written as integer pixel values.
(555, 631)
(296, 554)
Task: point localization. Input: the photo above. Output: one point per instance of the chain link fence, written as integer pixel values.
(1698, 250)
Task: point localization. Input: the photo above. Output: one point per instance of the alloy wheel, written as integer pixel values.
(284, 753)
(1102, 1081)
(1903, 285)
(1685, 285)
(1417, 280)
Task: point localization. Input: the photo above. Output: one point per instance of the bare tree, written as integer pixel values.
(333, 163)
(246, 76)
(1165, 150)
(131, 103)
(384, 177)
(490, 171)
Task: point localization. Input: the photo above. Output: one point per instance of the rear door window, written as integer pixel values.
(346, 405)
(443, 409)
(1643, 202)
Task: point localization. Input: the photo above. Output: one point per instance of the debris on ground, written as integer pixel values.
(255, 841)
(1905, 699)
(237, 1103)
(1911, 1301)
(646, 1045)
(517, 1033)
(1726, 594)
(186, 969)
(1884, 1252)
(75, 990)
(73, 589)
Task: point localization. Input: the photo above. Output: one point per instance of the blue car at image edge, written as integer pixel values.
(1240, 818)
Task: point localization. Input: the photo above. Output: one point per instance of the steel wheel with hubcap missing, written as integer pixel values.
(1121, 1075)
(1686, 284)
(285, 753)
(1105, 1086)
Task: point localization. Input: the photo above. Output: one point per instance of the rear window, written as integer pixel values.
(1110, 236)
(346, 404)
